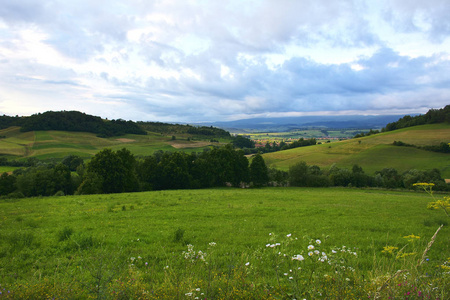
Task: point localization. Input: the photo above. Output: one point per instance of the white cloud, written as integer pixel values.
(211, 60)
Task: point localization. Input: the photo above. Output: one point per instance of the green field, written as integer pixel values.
(130, 246)
(374, 152)
(58, 144)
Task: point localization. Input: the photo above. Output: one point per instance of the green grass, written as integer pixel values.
(61, 242)
(374, 152)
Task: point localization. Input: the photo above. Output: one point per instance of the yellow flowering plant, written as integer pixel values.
(443, 204)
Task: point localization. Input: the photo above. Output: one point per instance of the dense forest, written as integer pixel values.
(166, 128)
(432, 116)
(77, 121)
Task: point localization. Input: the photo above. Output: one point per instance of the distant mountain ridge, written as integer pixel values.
(290, 123)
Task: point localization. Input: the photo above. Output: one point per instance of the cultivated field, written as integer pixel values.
(246, 243)
(58, 144)
(374, 152)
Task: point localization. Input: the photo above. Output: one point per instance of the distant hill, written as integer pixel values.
(81, 122)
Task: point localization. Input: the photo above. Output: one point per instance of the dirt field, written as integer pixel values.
(180, 145)
(125, 140)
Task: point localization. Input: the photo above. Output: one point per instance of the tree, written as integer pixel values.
(298, 174)
(258, 171)
(116, 170)
(7, 184)
(72, 161)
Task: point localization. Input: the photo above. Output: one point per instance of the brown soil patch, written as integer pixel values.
(125, 140)
(179, 145)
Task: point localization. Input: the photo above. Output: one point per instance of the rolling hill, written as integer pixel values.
(58, 144)
(374, 152)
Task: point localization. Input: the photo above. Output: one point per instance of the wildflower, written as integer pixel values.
(197, 289)
(310, 247)
(212, 244)
(423, 184)
(316, 252)
(318, 242)
(285, 274)
(389, 249)
(290, 278)
(289, 235)
(267, 245)
(298, 257)
(334, 251)
(247, 263)
(310, 253)
(146, 263)
(188, 294)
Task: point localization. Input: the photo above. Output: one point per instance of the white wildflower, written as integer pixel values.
(298, 257)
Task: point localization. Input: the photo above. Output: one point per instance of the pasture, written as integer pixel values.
(374, 152)
(246, 243)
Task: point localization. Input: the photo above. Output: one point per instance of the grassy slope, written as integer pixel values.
(374, 152)
(58, 144)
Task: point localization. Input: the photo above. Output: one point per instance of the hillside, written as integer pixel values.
(58, 144)
(374, 152)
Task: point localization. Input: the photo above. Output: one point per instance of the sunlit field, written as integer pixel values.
(271, 243)
(374, 152)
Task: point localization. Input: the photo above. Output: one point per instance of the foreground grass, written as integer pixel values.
(124, 246)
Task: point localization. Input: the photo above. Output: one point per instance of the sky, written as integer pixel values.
(208, 60)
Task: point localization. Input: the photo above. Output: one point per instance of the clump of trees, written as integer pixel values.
(249, 146)
(301, 174)
(442, 147)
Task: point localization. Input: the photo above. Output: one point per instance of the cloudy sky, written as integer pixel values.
(207, 60)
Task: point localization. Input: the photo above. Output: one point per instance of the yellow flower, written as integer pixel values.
(411, 237)
(389, 249)
(424, 184)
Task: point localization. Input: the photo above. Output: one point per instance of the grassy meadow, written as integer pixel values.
(374, 152)
(244, 244)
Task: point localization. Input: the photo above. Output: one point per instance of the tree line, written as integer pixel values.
(442, 147)
(167, 128)
(431, 117)
(120, 171)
